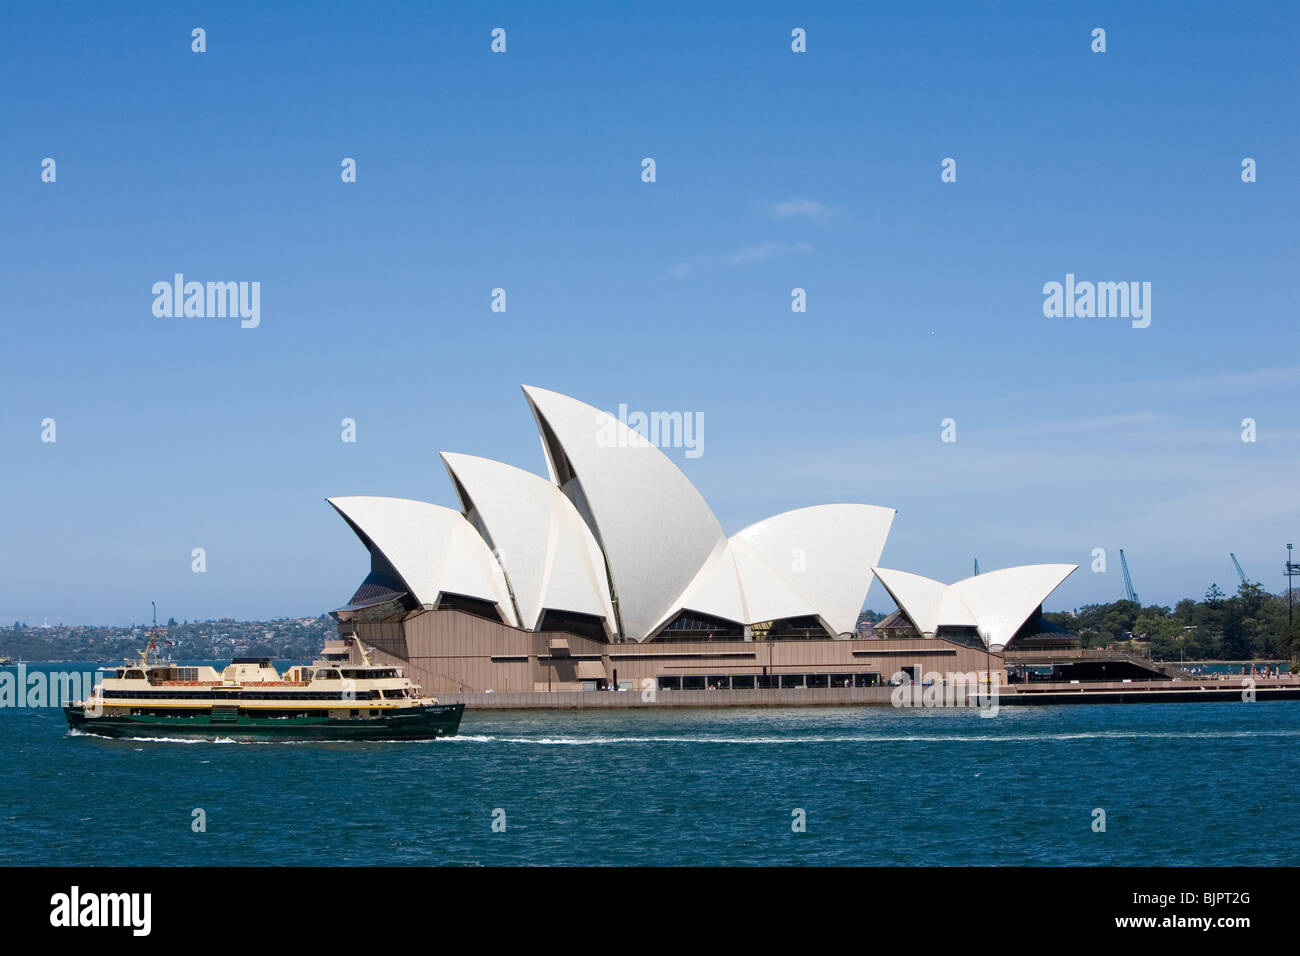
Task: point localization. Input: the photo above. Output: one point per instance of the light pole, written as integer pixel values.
(1291, 569)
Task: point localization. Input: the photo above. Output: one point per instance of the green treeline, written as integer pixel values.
(1251, 624)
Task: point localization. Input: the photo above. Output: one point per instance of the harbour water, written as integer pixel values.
(1180, 784)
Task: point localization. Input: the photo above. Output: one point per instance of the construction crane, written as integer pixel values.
(1237, 564)
(1128, 582)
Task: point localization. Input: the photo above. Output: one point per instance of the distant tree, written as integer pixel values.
(1156, 622)
(1253, 607)
(1119, 620)
(1290, 645)
(1168, 647)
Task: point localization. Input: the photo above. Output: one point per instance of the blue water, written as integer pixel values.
(1180, 784)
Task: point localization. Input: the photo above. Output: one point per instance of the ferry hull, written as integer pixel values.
(410, 723)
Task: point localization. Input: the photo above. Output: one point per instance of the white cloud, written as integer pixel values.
(807, 208)
(764, 250)
(1047, 428)
(1255, 378)
(738, 257)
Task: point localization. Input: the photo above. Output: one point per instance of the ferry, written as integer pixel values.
(341, 696)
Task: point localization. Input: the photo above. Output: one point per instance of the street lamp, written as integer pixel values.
(1291, 569)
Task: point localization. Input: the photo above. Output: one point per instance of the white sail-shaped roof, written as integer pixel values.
(920, 598)
(434, 549)
(549, 555)
(654, 528)
(738, 585)
(1001, 601)
(769, 594)
(954, 612)
(810, 562)
(996, 603)
(715, 590)
(825, 553)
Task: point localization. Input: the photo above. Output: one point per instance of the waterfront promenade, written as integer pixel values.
(1038, 692)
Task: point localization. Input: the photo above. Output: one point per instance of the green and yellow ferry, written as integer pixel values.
(341, 696)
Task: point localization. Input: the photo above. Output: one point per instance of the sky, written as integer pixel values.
(522, 170)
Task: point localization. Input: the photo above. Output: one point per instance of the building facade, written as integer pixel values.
(612, 572)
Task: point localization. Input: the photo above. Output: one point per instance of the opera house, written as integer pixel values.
(613, 573)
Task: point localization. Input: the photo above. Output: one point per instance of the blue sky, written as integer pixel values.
(522, 170)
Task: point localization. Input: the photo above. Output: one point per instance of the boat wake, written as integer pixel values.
(868, 738)
(254, 741)
(766, 741)
(170, 740)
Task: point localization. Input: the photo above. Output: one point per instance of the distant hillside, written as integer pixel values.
(291, 638)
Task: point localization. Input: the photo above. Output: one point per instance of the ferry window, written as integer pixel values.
(327, 675)
(135, 675)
